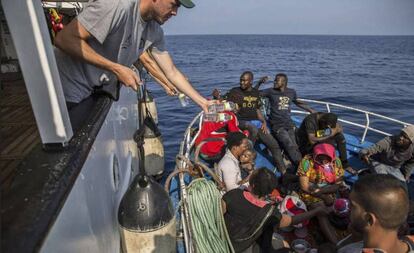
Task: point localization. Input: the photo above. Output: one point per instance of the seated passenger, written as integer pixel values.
(247, 161)
(351, 244)
(379, 207)
(320, 177)
(228, 169)
(283, 129)
(392, 155)
(214, 150)
(250, 220)
(251, 118)
(321, 127)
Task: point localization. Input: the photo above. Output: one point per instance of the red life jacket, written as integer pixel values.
(216, 130)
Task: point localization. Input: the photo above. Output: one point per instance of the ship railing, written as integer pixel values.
(368, 116)
(185, 150)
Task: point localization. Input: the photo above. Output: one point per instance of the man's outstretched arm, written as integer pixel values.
(261, 81)
(155, 71)
(167, 65)
(303, 105)
(73, 40)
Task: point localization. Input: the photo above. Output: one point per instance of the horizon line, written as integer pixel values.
(286, 34)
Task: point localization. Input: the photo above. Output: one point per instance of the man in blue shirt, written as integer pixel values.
(280, 100)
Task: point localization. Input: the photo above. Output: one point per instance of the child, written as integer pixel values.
(247, 164)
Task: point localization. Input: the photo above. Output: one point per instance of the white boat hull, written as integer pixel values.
(88, 220)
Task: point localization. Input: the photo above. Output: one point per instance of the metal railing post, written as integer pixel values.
(27, 24)
(366, 128)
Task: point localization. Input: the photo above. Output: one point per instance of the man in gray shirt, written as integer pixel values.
(107, 37)
(392, 155)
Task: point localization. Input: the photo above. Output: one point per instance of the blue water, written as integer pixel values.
(374, 73)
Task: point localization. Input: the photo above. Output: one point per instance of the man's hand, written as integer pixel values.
(171, 91)
(365, 158)
(315, 191)
(351, 170)
(338, 129)
(207, 103)
(127, 76)
(327, 199)
(343, 188)
(264, 128)
(248, 167)
(263, 79)
(323, 210)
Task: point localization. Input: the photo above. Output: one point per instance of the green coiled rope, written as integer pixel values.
(207, 221)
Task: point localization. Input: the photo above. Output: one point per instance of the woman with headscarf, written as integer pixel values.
(321, 176)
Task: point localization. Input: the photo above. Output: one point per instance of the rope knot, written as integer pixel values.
(139, 137)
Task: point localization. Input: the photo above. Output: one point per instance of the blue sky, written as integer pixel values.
(344, 17)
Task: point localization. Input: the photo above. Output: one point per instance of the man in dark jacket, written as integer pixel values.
(392, 155)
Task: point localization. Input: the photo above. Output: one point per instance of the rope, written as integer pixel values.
(207, 221)
(195, 170)
(139, 133)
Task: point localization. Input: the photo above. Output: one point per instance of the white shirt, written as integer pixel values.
(229, 171)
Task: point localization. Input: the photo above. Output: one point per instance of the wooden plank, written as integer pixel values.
(5, 110)
(12, 113)
(24, 147)
(18, 130)
(14, 98)
(7, 167)
(17, 124)
(24, 115)
(16, 115)
(8, 172)
(10, 157)
(17, 141)
(10, 133)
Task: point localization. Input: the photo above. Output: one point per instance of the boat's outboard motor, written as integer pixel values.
(153, 147)
(146, 218)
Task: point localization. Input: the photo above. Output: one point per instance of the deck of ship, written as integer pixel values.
(18, 130)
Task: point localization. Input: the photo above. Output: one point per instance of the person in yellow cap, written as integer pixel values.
(392, 155)
(107, 37)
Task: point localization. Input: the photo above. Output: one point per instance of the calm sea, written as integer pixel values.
(374, 73)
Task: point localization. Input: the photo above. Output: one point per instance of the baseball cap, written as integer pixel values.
(187, 3)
